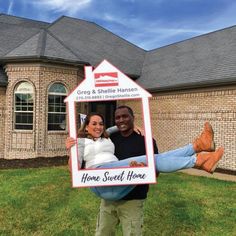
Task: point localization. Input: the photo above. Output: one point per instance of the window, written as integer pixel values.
(24, 106)
(56, 107)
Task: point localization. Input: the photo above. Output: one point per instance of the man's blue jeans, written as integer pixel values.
(171, 161)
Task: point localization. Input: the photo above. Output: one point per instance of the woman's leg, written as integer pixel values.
(171, 161)
(186, 150)
(166, 163)
(181, 158)
(112, 193)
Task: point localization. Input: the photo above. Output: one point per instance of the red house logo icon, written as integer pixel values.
(106, 79)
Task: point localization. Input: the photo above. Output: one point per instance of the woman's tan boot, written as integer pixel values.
(208, 161)
(205, 142)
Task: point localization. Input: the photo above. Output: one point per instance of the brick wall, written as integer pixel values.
(2, 119)
(177, 118)
(38, 142)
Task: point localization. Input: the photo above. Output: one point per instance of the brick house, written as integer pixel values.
(40, 63)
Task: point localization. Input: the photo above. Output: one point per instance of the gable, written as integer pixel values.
(42, 44)
(15, 30)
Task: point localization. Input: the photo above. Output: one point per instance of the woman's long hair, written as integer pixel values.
(83, 133)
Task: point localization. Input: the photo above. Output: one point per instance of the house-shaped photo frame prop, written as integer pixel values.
(106, 83)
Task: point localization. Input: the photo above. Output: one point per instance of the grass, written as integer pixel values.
(41, 202)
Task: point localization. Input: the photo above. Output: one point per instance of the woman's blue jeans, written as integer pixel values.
(171, 161)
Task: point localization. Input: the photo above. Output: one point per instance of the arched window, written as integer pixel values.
(24, 106)
(56, 107)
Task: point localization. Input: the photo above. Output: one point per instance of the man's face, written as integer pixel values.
(124, 121)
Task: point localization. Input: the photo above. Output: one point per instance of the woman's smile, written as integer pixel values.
(95, 127)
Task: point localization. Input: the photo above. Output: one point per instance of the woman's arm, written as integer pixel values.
(69, 143)
(112, 130)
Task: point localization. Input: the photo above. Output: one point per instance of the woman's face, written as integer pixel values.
(95, 126)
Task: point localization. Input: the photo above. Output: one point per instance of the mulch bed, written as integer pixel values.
(223, 171)
(57, 161)
(33, 162)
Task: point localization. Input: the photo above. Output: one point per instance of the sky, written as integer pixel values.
(149, 24)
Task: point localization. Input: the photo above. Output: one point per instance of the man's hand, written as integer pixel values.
(138, 130)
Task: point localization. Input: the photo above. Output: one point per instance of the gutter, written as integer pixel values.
(194, 85)
(43, 59)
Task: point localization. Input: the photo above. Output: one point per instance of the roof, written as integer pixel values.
(42, 45)
(94, 44)
(205, 60)
(20, 21)
(16, 30)
(68, 40)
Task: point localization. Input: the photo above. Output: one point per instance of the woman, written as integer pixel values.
(97, 150)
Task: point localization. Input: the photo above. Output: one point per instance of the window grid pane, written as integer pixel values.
(56, 121)
(57, 107)
(24, 105)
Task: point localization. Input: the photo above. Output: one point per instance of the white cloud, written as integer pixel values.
(158, 37)
(9, 10)
(144, 30)
(109, 17)
(70, 7)
(150, 34)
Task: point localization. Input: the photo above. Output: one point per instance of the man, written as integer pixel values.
(129, 211)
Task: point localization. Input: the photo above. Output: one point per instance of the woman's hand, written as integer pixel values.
(70, 142)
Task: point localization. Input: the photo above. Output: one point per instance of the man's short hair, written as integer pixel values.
(128, 108)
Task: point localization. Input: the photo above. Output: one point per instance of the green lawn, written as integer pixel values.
(42, 202)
